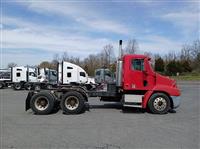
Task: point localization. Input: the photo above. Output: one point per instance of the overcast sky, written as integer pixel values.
(33, 31)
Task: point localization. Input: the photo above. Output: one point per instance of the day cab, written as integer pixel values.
(147, 88)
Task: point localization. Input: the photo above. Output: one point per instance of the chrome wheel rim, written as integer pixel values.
(41, 103)
(160, 104)
(71, 103)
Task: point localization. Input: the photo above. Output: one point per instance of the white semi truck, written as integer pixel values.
(43, 78)
(69, 73)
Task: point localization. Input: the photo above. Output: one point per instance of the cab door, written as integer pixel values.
(134, 76)
(32, 77)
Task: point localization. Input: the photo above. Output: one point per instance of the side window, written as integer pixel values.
(54, 73)
(18, 74)
(69, 67)
(32, 74)
(138, 64)
(98, 73)
(82, 74)
(69, 75)
(108, 73)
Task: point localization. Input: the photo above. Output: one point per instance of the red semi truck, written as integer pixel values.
(137, 85)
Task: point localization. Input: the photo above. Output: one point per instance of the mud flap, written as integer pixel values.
(28, 99)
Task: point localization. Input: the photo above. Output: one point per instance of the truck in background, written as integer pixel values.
(104, 75)
(5, 78)
(44, 78)
(69, 73)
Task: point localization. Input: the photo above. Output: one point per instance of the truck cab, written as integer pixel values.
(69, 73)
(140, 83)
(23, 74)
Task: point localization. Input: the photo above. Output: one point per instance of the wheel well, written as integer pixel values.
(171, 102)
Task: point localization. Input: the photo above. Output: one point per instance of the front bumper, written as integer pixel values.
(176, 101)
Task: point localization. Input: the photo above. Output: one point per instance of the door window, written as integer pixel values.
(138, 64)
(69, 75)
(32, 74)
(18, 74)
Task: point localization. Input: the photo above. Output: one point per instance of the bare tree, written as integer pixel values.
(12, 64)
(185, 53)
(132, 46)
(91, 63)
(45, 64)
(107, 55)
(55, 61)
(56, 57)
(195, 49)
(65, 56)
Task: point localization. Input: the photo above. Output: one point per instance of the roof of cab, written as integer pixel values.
(135, 56)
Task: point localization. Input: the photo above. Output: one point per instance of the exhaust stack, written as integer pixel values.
(120, 50)
(119, 67)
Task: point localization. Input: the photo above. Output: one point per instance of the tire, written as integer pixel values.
(159, 103)
(2, 85)
(37, 87)
(28, 86)
(74, 98)
(17, 86)
(42, 103)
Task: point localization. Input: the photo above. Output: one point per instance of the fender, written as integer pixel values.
(146, 97)
(28, 99)
(171, 91)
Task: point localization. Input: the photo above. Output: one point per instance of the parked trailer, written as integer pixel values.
(137, 85)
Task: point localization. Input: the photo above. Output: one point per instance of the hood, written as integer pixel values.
(165, 80)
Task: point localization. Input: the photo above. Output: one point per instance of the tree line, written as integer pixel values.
(185, 61)
(106, 58)
(172, 63)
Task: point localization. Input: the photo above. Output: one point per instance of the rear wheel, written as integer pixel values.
(17, 86)
(72, 103)
(42, 103)
(159, 103)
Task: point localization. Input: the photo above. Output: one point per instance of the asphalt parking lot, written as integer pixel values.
(104, 126)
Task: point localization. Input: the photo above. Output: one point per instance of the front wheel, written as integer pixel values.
(159, 103)
(17, 86)
(72, 103)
